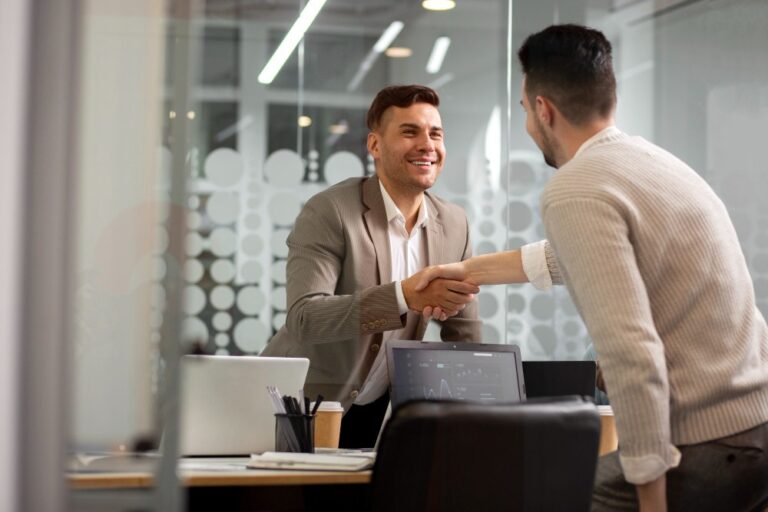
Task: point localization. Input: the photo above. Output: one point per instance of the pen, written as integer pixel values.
(320, 398)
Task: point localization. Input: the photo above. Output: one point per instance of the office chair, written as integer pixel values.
(454, 456)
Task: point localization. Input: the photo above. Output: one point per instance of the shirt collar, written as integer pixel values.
(393, 212)
(604, 134)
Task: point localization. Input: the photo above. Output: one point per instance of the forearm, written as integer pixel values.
(497, 268)
(327, 318)
(652, 496)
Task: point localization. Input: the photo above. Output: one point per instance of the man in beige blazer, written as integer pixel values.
(342, 298)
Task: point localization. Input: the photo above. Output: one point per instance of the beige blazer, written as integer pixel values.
(340, 294)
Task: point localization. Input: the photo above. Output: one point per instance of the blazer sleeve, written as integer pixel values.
(316, 252)
(466, 326)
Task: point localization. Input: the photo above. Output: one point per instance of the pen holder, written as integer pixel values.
(294, 433)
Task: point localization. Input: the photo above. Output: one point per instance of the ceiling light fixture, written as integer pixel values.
(438, 5)
(290, 41)
(382, 44)
(305, 121)
(398, 52)
(438, 54)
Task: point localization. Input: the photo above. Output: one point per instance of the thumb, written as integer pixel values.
(426, 276)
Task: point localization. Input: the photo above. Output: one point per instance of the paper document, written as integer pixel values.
(312, 461)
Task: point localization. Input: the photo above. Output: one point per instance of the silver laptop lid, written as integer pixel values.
(454, 371)
(225, 408)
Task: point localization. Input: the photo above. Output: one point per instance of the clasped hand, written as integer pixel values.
(440, 291)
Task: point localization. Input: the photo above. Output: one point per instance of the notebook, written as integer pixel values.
(559, 378)
(454, 371)
(225, 408)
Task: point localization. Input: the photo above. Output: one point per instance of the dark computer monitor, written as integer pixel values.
(454, 371)
(559, 378)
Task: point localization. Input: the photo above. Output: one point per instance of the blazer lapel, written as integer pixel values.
(378, 229)
(434, 234)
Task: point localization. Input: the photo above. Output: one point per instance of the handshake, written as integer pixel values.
(439, 291)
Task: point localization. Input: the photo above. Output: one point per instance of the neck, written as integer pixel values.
(408, 202)
(576, 136)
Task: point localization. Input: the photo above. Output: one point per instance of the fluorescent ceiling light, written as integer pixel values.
(398, 52)
(290, 41)
(384, 41)
(438, 5)
(441, 81)
(388, 36)
(438, 54)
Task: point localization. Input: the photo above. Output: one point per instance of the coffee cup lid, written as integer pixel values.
(328, 406)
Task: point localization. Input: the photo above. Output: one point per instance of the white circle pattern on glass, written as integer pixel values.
(284, 168)
(194, 244)
(222, 297)
(251, 271)
(284, 208)
(193, 300)
(223, 207)
(250, 300)
(221, 339)
(224, 167)
(251, 335)
(278, 272)
(193, 270)
(342, 165)
(222, 321)
(223, 271)
(222, 242)
(279, 243)
(252, 245)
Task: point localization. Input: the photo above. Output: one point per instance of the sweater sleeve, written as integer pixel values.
(593, 244)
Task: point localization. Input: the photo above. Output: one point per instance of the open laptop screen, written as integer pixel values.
(454, 371)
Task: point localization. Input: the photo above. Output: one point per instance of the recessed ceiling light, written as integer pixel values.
(305, 121)
(438, 5)
(398, 52)
(339, 128)
(191, 115)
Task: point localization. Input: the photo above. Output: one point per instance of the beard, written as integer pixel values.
(548, 145)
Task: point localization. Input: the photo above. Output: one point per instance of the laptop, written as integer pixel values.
(454, 371)
(225, 407)
(559, 378)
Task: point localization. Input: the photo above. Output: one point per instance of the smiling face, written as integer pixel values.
(408, 148)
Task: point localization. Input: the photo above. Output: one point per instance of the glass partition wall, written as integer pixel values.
(194, 162)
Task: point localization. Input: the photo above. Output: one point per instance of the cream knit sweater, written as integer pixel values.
(654, 266)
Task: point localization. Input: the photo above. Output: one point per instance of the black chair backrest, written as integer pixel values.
(455, 456)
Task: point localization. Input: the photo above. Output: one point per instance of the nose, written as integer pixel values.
(426, 143)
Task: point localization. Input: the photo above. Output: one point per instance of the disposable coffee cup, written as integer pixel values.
(328, 424)
(609, 441)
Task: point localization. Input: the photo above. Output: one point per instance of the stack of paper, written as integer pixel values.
(312, 461)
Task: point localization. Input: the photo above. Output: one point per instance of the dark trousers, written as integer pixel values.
(360, 425)
(730, 474)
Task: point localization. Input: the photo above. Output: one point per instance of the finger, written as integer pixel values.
(462, 287)
(457, 298)
(427, 313)
(425, 277)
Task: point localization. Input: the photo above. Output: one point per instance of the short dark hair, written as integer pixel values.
(571, 65)
(398, 96)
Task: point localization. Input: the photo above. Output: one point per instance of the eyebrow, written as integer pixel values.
(416, 127)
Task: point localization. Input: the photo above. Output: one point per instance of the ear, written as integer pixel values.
(545, 110)
(373, 145)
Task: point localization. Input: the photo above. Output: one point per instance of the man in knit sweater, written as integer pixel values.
(653, 264)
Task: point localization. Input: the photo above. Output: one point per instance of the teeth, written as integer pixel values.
(421, 163)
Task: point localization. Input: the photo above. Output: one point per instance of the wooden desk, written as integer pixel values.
(219, 477)
(242, 489)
